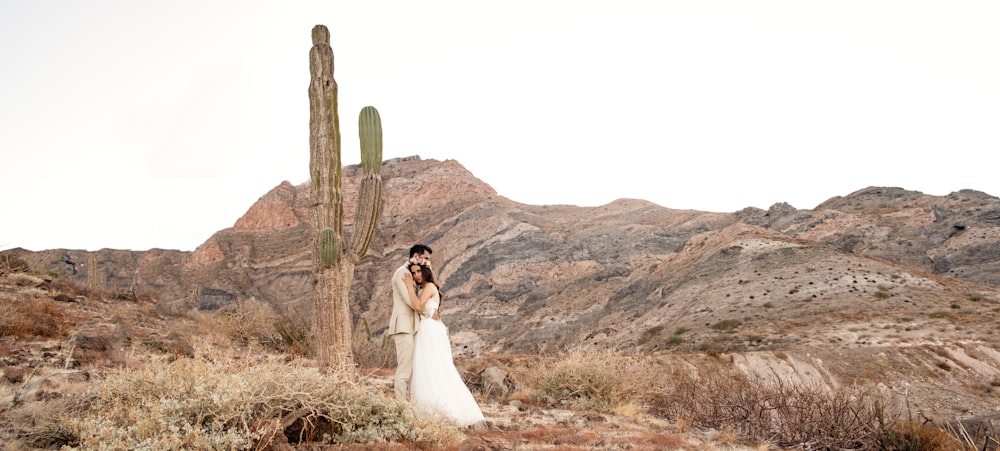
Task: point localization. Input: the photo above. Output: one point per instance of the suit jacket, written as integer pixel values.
(404, 319)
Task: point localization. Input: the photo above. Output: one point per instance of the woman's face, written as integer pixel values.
(418, 275)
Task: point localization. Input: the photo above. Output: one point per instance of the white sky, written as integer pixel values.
(141, 124)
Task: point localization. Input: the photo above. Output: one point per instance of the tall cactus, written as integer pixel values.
(93, 280)
(334, 264)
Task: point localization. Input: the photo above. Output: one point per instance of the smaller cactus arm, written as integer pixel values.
(370, 134)
(366, 215)
(370, 191)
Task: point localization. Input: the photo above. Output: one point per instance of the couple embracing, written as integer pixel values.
(425, 371)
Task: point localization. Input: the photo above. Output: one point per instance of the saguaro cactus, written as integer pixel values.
(93, 280)
(334, 263)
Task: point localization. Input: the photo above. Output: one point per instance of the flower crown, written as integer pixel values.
(420, 261)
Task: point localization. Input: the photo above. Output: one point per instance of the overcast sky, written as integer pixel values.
(143, 124)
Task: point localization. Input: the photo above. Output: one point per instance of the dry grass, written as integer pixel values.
(43, 319)
(254, 324)
(373, 352)
(211, 382)
(772, 411)
(912, 435)
(603, 381)
(217, 400)
(11, 263)
(748, 410)
(247, 322)
(977, 434)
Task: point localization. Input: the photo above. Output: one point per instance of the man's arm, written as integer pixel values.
(398, 286)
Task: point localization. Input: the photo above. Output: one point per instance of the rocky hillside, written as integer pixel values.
(882, 284)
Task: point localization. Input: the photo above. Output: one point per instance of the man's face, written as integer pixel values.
(426, 256)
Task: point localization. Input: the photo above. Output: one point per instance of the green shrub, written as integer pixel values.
(674, 340)
(648, 334)
(727, 325)
(941, 315)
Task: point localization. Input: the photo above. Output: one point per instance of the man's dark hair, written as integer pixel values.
(419, 249)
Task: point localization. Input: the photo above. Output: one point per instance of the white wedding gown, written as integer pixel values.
(436, 385)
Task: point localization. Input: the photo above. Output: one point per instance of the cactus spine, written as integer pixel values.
(334, 264)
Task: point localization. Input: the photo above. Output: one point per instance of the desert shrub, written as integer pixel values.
(74, 289)
(604, 381)
(174, 345)
(10, 264)
(674, 340)
(248, 322)
(977, 433)
(11, 319)
(217, 402)
(25, 280)
(772, 411)
(715, 347)
(371, 351)
(727, 325)
(914, 436)
(255, 323)
(649, 334)
(36, 428)
(294, 338)
(69, 287)
(37, 318)
(941, 315)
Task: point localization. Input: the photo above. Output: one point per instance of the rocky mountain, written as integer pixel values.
(856, 288)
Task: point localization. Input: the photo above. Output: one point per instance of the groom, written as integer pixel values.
(404, 323)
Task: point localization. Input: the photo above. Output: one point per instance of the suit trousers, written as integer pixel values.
(404, 364)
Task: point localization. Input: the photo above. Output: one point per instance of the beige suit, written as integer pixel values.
(402, 325)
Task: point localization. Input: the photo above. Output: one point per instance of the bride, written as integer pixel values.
(436, 386)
